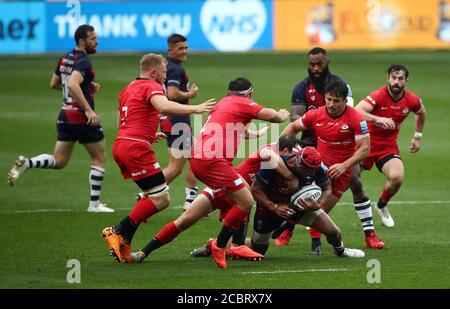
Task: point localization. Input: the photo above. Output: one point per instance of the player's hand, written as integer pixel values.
(193, 91)
(94, 87)
(337, 170)
(385, 123)
(284, 211)
(309, 204)
(160, 136)
(206, 106)
(284, 114)
(296, 148)
(414, 146)
(261, 132)
(92, 118)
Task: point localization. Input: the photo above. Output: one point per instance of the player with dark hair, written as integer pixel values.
(177, 127)
(342, 140)
(139, 106)
(385, 110)
(74, 77)
(309, 94)
(209, 200)
(217, 147)
(273, 203)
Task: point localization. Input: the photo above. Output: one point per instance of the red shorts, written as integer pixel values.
(340, 185)
(217, 174)
(377, 153)
(136, 160)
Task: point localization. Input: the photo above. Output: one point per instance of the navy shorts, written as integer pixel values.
(83, 133)
(182, 139)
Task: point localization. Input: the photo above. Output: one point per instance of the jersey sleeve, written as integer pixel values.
(416, 104)
(299, 94)
(359, 126)
(253, 109)
(265, 176)
(373, 98)
(58, 65)
(321, 176)
(83, 66)
(307, 119)
(175, 76)
(153, 90)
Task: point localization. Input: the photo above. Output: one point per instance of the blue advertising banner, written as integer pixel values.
(22, 27)
(223, 25)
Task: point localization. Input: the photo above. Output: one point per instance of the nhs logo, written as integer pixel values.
(233, 25)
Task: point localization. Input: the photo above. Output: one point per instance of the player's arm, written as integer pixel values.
(273, 161)
(55, 82)
(249, 134)
(366, 109)
(294, 127)
(419, 123)
(175, 94)
(166, 106)
(263, 200)
(297, 111)
(326, 193)
(271, 115)
(75, 91)
(362, 151)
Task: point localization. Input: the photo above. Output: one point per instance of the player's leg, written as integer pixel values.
(190, 182)
(66, 139)
(393, 169)
(363, 209)
(190, 186)
(320, 221)
(264, 224)
(132, 158)
(236, 216)
(328, 204)
(156, 198)
(97, 153)
(200, 207)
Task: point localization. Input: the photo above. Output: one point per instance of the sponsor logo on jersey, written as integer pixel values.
(405, 111)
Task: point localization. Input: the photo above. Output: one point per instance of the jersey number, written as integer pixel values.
(125, 113)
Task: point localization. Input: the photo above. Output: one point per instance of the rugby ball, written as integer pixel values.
(306, 192)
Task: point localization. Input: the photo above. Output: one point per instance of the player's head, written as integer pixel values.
(86, 39)
(336, 92)
(287, 143)
(177, 47)
(153, 66)
(318, 64)
(308, 161)
(240, 86)
(397, 77)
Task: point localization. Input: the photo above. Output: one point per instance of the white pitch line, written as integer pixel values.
(293, 271)
(56, 210)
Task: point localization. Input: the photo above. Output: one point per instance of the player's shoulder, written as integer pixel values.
(301, 85)
(412, 97)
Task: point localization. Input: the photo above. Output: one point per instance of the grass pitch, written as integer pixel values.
(44, 223)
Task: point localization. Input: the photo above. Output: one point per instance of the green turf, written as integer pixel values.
(43, 222)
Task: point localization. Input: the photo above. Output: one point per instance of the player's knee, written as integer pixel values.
(260, 242)
(259, 248)
(161, 201)
(60, 162)
(396, 180)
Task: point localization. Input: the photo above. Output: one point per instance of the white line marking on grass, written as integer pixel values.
(56, 210)
(293, 271)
